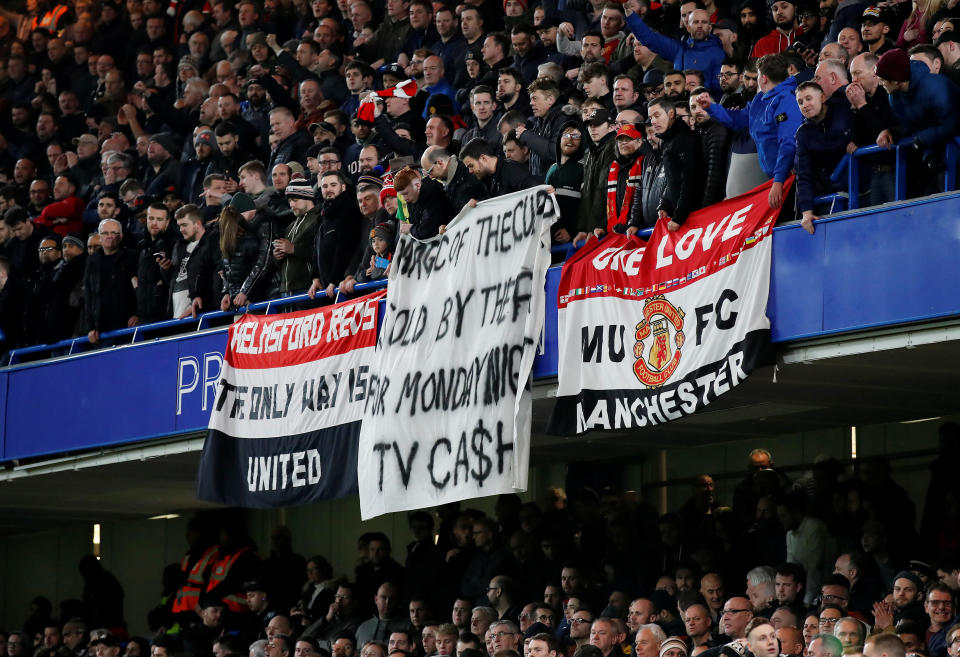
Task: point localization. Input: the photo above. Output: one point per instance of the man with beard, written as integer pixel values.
(874, 28)
(232, 157)
(193, 265)
(785, 32)
(163, 171)
(428, 206)
(623, 178)
(500, 175)
(154, 266)
(567, 174)
(36, 298)
(338, 232)
(293, 251)
(195, 169)
(510, 92)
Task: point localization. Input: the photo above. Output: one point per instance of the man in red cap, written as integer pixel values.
(623, 178)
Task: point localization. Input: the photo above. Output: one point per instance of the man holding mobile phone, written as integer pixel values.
(154, 267)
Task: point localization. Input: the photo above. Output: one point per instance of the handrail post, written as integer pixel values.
(950, 184)
(900, 171)
(853, 182)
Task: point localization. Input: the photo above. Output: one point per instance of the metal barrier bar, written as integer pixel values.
(953, 155)
(137, 333)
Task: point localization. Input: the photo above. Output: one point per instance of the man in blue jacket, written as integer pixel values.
(771, 117)
(923, 104)
(701, 50)
(821, 143)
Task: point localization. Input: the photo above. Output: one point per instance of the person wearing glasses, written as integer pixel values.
(735, 616)
(829, 615)
(580, 624)
(941, 609)
(501, 594)
(566, 176)
(39, 291)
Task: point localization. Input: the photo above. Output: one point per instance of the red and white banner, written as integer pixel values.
(654, 331)
(286, 417)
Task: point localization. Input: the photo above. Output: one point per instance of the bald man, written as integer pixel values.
(791, 641)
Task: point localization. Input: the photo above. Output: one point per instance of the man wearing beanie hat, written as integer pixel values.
(294, 250)
(924, 105)
(673, 647)
(785, 31)
(163, 171)
(194, 170)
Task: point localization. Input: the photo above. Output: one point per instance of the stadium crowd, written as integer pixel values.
(826, 565)
(164, 159)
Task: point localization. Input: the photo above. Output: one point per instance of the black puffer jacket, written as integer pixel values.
(153, 289)
(461, 186)
(510, 177)
(593, 199)
(432, 210)
(541, 139)
(338, 234)
(653, 183)
(683, 167)
(715, 144)
(248, 271)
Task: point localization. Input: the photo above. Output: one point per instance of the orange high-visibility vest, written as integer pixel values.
(235, 602)
(188, 595)
(50, 21)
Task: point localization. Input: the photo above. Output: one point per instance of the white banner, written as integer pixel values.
(464, 314)
(652, 332)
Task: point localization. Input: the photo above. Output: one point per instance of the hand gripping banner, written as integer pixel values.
(464, 315)
(285, 422)
(653, 331)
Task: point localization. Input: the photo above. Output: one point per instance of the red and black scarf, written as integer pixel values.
(622, 216)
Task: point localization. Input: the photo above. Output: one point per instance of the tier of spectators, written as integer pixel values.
(160, 160)
(828, 563)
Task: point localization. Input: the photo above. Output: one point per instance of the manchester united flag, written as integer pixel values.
(654, 331)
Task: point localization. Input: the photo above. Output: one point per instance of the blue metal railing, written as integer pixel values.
(850, 165)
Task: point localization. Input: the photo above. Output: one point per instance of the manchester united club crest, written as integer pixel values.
(658, 358)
